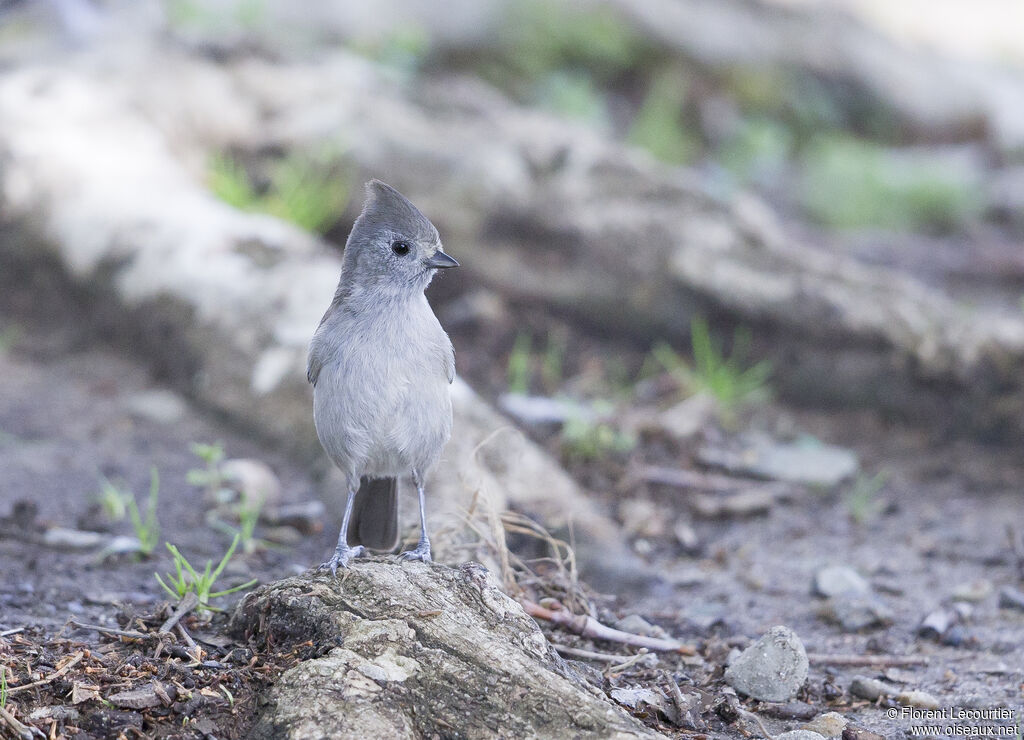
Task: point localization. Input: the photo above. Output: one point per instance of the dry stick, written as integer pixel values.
(187, 603)
(8, 633)
(23, 731)
(56, 674)
(750, 716)
(116, 632)
(587, 626)
(589, 654)
(866, 660)
(677, 695)
(705, 481)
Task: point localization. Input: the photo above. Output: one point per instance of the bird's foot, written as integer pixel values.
(343, 554)
(422, 552)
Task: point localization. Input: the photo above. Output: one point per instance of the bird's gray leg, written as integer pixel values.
(343, 553)
(422, 551)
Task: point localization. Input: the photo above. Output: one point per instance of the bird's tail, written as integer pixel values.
(374, 522)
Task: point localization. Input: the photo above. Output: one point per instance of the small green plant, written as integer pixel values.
(3, 687)
(248, 513)
(586, 439)
(147, 528)
(727, 379)
(862, 499)
(113, 499)
(658, 125)
(210, 478)
(519, 361)
(551, 368)
(303, 190)
(849, 184)
(186, 579)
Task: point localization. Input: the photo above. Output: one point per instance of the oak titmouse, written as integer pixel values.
(381, 367)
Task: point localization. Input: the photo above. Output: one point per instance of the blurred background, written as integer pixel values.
(743, 278)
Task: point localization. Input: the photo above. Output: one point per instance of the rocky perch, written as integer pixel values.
(417, 650)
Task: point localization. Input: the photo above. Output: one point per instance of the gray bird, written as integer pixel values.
(381, 368)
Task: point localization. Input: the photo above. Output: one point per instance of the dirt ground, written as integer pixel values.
(68, 415)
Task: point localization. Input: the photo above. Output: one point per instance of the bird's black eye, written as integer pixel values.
(401, 248)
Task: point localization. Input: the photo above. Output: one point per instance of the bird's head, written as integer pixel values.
(393, 247)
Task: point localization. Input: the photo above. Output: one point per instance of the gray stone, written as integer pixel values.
(799, 735)
(973, 591)
(855, 612)
(833, 580)
(772, 669)
(871, 689)
(919, 699)
(688, 417)
(1011, 598)
(829, 724)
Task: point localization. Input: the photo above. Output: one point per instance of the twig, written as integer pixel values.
(23, 731)
(629, 662)
(750, 716)
(866, 660)
(8, 633)
(589, 654)
(56, 674)
(587, 626)
(116, 632)
(681, 478)
(188, 602)
(677, 697)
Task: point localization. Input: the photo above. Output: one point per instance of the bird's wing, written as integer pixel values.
(450, 363)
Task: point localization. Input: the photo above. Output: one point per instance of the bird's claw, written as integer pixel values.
(421, 553)
(343, 554)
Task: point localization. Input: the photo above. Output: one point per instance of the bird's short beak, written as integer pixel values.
(441, 260)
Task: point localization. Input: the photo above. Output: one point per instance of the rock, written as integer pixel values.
(871, 689)
(688, 417)
(936, 623)
(419, 649)
(158, 405)
(799, 735)
(853, 612)
(838, 579)
(637, 625)
(859, 733)
(810, 464)
(919, 699)
(830, 724)
(772, 669)
(1011, 598)
(973, 591)
(253, 479)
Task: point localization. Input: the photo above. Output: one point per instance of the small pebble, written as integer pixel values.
(919, 699)
(799, 735)
(830, 724)
(855, 612)
(859, 733)
(838, 579)
(772, 669)
(1011, 598)
(974, 591)
(871, 689)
